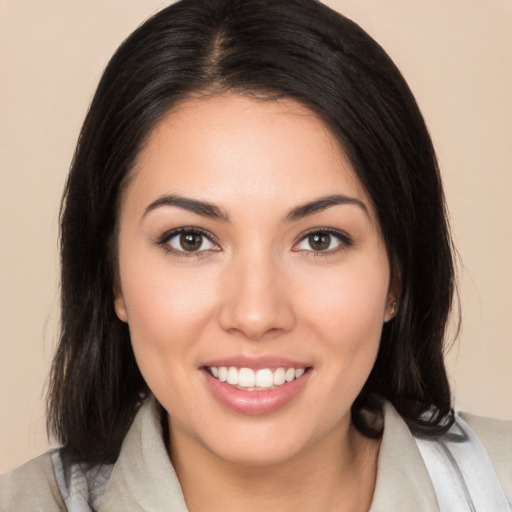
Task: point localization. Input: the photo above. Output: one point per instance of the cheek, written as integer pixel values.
(168, 312)
(347, 311)
(167, 307)
(349, 300)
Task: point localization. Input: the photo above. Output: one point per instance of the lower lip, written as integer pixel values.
(255, 402)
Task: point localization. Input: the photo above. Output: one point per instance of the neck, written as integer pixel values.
(336, 474)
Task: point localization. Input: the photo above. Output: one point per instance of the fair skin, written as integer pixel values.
(255, 282)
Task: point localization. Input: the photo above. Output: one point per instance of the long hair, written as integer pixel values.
(297, 49)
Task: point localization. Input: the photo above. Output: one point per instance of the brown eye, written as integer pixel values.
(191, 241)
(327, 241)
(319, 241)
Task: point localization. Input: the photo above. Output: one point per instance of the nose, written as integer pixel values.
(256, 300)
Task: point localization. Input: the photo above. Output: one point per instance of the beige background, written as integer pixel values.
(456, 55)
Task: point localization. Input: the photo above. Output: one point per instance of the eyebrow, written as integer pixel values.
(203, 208)
(212, 211)
(321, 204)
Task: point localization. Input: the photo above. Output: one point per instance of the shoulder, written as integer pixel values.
(31, 486)
(496, 436)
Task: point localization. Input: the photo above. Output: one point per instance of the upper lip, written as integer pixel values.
(256, 362)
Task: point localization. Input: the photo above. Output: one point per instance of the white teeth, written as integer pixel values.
(299, 372)
(246, 378)
(290, 374)
(279, 377)
(232, 376)
(254, 380)
(264, 378)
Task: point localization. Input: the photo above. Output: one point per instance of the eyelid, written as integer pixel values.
(168, 235)
(344, 238)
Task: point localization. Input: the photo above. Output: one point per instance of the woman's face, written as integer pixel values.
(249, 251)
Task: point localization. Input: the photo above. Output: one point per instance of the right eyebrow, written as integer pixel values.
(323, 203)
(203, 208)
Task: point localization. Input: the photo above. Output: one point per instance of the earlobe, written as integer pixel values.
(119, 304)
(391, 310)
(392, 300)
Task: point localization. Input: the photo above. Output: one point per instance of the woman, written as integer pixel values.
(251, 214)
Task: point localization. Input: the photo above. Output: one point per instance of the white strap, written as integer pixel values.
(461, 471)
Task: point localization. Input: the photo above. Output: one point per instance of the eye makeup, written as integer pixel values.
(323, 241)
(188, 242)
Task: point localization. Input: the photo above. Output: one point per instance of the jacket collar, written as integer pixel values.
(403, 483)
(143, 478)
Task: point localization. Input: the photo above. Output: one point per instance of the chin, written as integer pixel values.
(260, 442)
(257, 454)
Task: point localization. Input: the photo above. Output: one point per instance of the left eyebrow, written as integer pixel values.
(322, 203)
(203, 208)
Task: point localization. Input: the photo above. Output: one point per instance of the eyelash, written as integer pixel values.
(164, 240)
(344, 238)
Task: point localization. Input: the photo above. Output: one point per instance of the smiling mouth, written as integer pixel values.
(247, 379)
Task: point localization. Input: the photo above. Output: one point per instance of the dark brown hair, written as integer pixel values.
(298, 49)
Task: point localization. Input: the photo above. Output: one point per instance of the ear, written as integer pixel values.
(391, 310)
(119, 304)
(393, 297)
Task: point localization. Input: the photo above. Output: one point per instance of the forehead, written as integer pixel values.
(239, 150)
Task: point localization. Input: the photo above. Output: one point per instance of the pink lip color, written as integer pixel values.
(255, 402)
